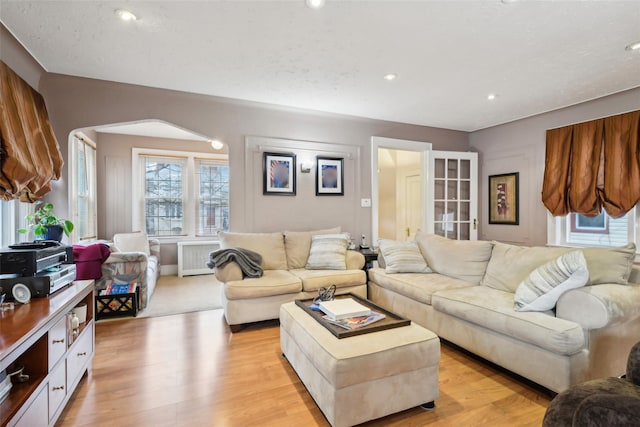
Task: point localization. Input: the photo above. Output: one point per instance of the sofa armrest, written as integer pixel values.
(154, 248)
(597, 306)
(355, 260)
(228, 272)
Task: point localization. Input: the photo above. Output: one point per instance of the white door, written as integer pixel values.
(413, 203)
(452, 207)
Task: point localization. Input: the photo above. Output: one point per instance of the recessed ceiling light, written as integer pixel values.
(633, 46)
(216, 145)
(314, 4)
(390, 76)
(491, 96)
(125, 15)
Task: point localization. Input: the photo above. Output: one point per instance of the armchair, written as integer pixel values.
(609, 402)
(134, 258)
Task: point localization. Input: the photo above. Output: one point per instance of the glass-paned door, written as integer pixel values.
(452, 208)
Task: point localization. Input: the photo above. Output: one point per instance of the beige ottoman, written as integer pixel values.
(364, 377)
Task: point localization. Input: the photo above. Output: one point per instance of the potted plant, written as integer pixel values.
(45, 224)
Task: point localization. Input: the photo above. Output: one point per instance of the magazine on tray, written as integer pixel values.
(352, 323)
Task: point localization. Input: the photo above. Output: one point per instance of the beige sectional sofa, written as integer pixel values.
(468, 300)
(285, 278)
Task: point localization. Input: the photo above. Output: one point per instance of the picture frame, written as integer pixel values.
(279, 174)
(504, 199)
(329, 176)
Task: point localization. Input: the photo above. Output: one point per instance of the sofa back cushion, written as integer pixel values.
(462, 259)
(610, 265)
(510, 265)
(269, 245)
(298, 243)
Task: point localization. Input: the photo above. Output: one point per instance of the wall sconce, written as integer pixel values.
(216, 145)
(306, 167)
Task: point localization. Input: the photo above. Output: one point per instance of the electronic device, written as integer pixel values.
(363, 243)
(44, 283)
(35, 269)
(30, 261)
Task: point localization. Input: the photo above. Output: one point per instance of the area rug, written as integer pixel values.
(175, 295)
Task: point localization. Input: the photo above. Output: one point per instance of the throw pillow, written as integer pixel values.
(132, 242)
(541, 290)
(402, 257)
(328, 252)
(298, 243)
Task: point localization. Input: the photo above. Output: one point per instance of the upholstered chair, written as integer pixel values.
(134, 258)
(610, 402)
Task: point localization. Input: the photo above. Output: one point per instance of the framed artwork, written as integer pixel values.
(329, 176)
(279, 174)
(503, 199)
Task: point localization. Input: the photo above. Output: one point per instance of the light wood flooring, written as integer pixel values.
(189, 370)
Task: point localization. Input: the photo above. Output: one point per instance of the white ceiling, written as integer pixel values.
(449, 55)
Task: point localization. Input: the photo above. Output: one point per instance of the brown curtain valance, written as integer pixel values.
(593, 165)
(29, 156)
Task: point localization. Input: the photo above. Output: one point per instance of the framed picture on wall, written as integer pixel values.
(329, 176)
(279, 174)
(503, 199)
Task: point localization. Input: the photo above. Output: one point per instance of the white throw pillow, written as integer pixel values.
(541, 290)
(402, 257)
(328, 252)
(132, 242)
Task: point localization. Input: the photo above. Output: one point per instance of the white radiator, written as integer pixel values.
(193, 257)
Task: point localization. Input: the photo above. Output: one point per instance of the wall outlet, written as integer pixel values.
(365, 203)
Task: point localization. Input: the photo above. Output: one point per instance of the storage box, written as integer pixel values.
(119, 305)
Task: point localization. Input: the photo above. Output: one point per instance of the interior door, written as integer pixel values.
(452, 206)
(413, 203)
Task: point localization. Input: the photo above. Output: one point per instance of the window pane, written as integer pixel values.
(163, 196)
(601, 230)
(213, 201)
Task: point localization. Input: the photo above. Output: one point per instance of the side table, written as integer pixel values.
(369, 257)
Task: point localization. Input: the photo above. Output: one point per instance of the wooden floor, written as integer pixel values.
(189, 370)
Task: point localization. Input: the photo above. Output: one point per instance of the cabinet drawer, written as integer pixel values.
(57, 341)
(79, 354)
(57, 388)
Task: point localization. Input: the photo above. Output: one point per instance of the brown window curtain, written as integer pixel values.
(29, 157)
(593, 165)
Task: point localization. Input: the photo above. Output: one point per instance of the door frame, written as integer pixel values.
(395, 144)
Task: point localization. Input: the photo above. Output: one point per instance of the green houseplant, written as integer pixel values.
(45, 224)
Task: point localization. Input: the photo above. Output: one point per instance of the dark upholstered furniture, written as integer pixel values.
(609, 402)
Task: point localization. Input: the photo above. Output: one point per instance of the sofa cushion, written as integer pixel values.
(298, 243)
(610, 265)
(328, 252)
(402, 257)
(312, 280)
(493, 310)
(462, 259)
(510, 265)
(132, 242)
(269, 245)
(542, 288)
(273, 282)
(419, 287)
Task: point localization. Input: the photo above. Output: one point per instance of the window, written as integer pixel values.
(602, 230)
(213, 201)
(180, 194)
(83, 188)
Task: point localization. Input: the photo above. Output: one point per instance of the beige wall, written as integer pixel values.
(77, 103)
(16, 57)
(520, 147)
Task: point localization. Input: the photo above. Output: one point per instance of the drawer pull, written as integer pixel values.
(58, 341)
(58, 388)
(84, 353)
